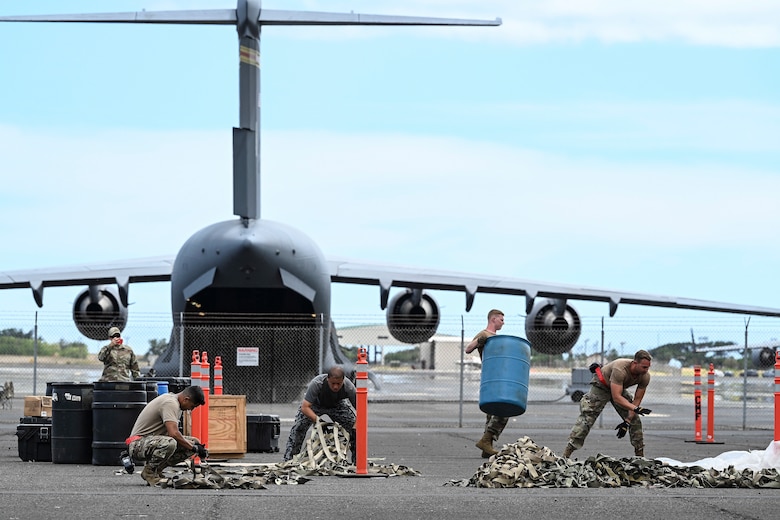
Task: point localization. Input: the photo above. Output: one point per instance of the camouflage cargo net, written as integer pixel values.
(525, 464)
(325, 453)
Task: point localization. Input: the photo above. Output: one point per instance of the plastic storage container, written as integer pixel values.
(262, 433)
(71, 432)
(115, 407)
(506, 365)
(34, 435)
(151, 390)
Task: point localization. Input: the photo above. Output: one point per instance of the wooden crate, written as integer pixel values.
(227, 426)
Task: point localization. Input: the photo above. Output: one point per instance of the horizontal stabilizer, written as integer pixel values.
(204, 17)
(229, 17)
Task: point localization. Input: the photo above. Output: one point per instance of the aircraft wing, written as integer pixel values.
(385, 276)
(121, 273)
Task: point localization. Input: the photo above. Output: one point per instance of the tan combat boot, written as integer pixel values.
(568, 451)
(486, 445)
(150, 475)
(639, 452)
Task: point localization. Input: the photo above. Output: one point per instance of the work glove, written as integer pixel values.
(593, 367)
(642, 411)
(200, 450)
(622, 429)
(325, 419)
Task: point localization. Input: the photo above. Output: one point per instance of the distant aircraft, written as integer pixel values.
(762, 355)
(256, 282)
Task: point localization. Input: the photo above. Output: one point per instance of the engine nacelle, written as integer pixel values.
(98, 309)
(763, 357)
(552, 326)
(412, 316)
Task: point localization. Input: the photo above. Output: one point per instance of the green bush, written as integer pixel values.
(14, 342)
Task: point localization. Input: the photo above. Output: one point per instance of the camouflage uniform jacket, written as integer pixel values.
(120, 363)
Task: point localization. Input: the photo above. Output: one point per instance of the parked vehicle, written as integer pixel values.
(580, 383)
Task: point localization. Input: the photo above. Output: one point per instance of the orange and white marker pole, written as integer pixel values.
(697, 402)
(711, 404)
(205, 380)
(361, 426)
(218, 375)
(777, 395)
(195, 380)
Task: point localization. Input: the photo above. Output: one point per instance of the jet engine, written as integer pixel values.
(763, 357)
(412, 316)
(552, 326)
(96, 310)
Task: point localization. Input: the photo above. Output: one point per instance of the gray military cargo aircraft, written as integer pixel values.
(250, 274)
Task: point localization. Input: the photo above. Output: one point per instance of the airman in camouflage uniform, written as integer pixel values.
(325, 394)
(619, 375)
(119, 360)
(156, 438)
(494, 424)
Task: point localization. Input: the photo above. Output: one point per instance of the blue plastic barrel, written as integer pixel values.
(506, 364)
(162, 387)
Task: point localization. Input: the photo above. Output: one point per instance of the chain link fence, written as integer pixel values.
(273, 364)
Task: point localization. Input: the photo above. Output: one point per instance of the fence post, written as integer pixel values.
(181, 345)
(462, 368)
(35, 356)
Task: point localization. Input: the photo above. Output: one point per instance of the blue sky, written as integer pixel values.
(630, 146)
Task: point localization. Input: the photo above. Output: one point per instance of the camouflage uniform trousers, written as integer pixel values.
(495, 425)
(591, 407)
(341, 413)
(160, 451)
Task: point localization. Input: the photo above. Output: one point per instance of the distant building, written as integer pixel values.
(441, 352)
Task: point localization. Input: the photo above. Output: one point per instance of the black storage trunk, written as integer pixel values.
(262, 433)
(175, 384)
(34, 435)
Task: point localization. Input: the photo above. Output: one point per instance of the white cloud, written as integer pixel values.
(718, 125)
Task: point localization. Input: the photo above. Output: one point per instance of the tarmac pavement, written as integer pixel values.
(426, 437)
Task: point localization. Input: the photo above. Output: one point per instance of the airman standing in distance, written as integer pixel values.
(325, 394)
(119, 359)
(609, 384)
(156, 438)
(494, 424)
